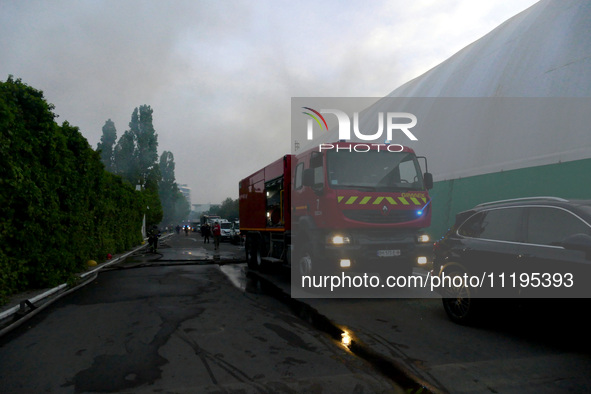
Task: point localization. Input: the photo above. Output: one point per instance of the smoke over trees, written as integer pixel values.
(135, 158)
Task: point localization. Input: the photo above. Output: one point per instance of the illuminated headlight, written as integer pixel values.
(422, 260)
(345, 263)
(423, 238)
(339, 240)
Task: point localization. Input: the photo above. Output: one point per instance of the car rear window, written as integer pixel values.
(495, 224)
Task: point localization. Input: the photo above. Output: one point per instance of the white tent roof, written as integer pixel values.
(545, 51)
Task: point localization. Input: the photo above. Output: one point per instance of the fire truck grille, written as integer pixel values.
(375, 216)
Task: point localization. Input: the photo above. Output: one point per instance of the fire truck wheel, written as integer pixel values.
(306, 261)
(254, 253)
(248, 244)
(258, 256)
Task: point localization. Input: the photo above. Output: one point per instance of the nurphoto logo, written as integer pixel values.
(344, 124)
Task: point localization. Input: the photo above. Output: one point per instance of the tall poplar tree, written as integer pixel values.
(107, 144)
(174, 204)
(136, 153)
(124, 163)
(146, 139)
(135, 159)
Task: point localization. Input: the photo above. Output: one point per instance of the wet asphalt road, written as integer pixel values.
(176, 322)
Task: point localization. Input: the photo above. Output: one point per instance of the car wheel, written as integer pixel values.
(458, 302)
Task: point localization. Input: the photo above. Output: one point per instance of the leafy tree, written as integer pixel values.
(227, 210)
(135, 159)
(123, 158)
(153, 207)
(108, 140)
(175, 205)
(136, 152)
(146, 139)
(167, 167)
(151, 198)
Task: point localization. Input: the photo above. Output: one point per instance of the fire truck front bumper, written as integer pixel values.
(385, 253)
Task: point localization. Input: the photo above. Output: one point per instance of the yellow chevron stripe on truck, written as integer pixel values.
(365, 200)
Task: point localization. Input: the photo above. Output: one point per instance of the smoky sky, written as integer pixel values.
(220, 75)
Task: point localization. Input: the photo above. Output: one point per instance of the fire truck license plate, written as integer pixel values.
(389, 253)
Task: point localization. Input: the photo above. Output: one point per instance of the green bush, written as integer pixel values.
(58, 205)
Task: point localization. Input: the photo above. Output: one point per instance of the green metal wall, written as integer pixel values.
(568, 180)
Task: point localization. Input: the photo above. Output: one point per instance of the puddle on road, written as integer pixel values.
(185, 254)
(253, 282)
(237, 274)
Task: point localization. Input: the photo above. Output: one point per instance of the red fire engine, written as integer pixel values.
(342, 206)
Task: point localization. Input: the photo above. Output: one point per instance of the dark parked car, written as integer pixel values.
(528, 248)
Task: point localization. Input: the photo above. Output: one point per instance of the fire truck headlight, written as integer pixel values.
(423, 238)
(339, 239)
(422, 260)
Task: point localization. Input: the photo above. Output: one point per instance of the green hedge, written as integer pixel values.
(58, 206)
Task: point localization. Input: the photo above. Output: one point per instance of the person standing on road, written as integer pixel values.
(153, 238)
(217, 234)
(205, 232)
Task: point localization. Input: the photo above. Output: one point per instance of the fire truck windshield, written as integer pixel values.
(373, 170)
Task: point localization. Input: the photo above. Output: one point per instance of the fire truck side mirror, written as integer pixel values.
(308, 177)
(309, 181)
(428, 180)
